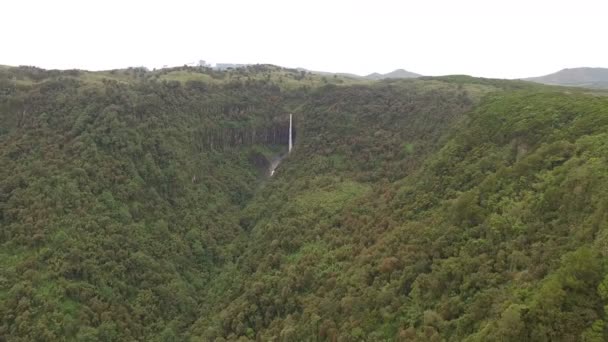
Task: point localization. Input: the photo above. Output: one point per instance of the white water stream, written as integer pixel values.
(275, 163)
(277, 160)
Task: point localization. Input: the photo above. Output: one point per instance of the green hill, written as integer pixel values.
(134, 205)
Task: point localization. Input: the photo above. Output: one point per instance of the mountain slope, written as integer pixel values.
(134, 206)
(476, 243)
(576, 77)
(115, 210)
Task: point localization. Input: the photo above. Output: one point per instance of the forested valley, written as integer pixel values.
(136, 205)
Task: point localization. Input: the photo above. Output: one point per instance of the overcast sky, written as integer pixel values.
(491, 38)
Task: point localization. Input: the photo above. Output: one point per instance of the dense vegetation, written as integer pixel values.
(450, 208)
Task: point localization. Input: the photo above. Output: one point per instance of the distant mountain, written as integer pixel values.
(399, 73)
(327, 73)
(576, 77)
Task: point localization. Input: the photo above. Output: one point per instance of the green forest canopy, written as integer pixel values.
(438, 209)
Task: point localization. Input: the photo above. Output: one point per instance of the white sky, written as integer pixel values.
(491, 38)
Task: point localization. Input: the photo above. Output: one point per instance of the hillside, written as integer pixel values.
(134, 205)
(576, 77)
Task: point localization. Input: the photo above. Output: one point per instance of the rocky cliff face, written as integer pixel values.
(219, 138)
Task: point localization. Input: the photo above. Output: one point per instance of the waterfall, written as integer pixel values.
(277, 160)
(290, 129)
